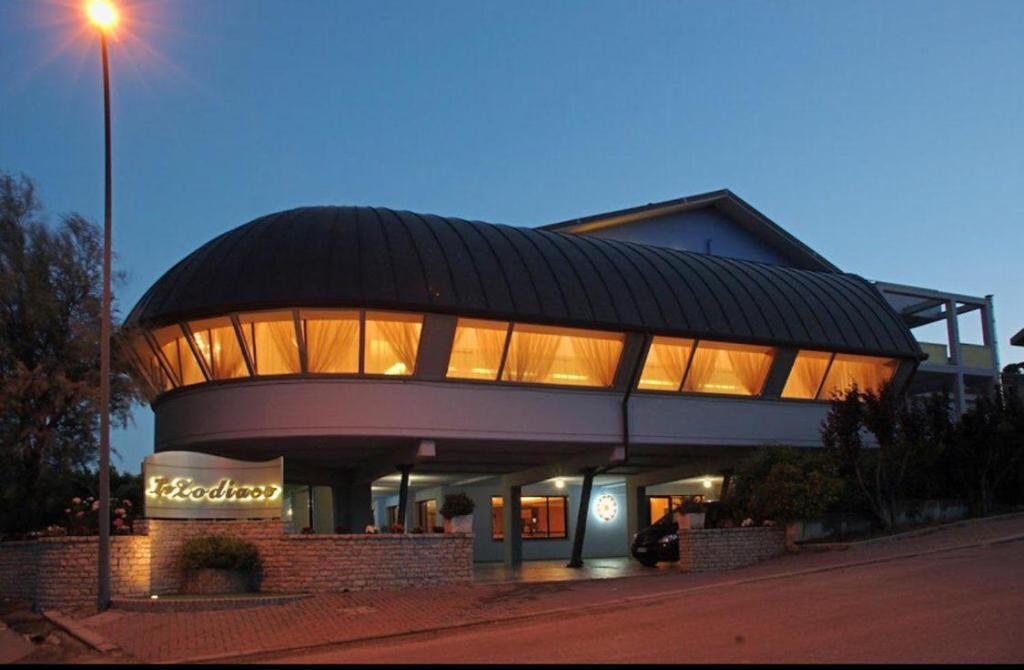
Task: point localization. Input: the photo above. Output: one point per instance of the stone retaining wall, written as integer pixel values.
(712, 549)
(367, 562)
(19, 563)
(60, 572)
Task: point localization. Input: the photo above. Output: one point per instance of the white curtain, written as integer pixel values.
(701, 369)
(332, 345)
(400, 340)
(530, 356)
(805, 377)
(665, 364)
(598, 358)
(476, 350)
(750, 368)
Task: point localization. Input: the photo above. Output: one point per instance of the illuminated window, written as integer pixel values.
(392, 341)
(807, 374)
(733, 369)
(332, 340)
(272, 343)
(543, 517)
(172, 344)
(477, 349)
(666, 364)
(217, 343)
(149, 365)
(426, 515)
(662, 505)
(867, 372)
(547, 355)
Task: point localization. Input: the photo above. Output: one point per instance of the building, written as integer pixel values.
(1013, 374)
(575, 380)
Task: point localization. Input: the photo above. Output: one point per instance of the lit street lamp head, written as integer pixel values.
(102, 14)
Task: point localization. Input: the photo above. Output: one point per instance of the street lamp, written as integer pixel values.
(103, 15)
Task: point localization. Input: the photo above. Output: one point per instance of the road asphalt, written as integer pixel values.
(960, 606)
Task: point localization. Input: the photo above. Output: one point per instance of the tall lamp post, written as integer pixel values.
(103, 15)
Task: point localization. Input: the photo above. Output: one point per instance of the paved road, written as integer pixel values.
(960, 606)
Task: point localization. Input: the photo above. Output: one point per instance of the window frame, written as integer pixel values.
(689, 364)
(831, 359)
(547, 506)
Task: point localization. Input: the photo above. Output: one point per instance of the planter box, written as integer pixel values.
(213, 582)
(459, 524)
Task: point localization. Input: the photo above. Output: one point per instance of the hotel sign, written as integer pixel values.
(190, 485)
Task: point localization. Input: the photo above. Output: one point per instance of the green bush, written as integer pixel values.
(783, 484)
(457, 504)
(221, 553)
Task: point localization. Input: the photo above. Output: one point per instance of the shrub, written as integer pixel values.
(457, 504)
(220, 552)
(783, 484)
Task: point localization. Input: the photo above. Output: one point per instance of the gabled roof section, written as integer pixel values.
(1018, 339)
(726, 202)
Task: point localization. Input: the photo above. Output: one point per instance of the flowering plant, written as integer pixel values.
(82, 516)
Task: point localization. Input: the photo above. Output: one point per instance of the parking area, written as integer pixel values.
(532, 572)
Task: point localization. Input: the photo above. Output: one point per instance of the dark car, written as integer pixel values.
(657, 542)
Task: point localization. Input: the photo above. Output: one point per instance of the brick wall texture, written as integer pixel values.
(713, 549)
(60, 573)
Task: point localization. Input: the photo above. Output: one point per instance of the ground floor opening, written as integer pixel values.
(549, 513)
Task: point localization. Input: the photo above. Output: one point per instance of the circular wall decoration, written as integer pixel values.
(605, 507)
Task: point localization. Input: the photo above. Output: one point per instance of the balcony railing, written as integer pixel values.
(972, 355)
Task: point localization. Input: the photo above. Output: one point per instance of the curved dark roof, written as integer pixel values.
(375, 257)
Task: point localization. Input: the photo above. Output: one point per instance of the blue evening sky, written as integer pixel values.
(889, 136)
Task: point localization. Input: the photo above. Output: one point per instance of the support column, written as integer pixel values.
(955, 358)
(988, 332)
(311, 494)
(638, 511)
(352, 502)
(403, 495)
(512, 522)
(576, 561)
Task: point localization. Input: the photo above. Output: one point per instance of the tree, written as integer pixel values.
(988, 446)
(50, 301)
(784, 484)
(907, 432)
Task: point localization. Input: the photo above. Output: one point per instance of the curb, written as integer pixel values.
(204, 604)
(577, 609)
(80, 632)
(918, 532)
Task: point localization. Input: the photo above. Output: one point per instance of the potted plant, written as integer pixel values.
(457, 511)
(220, 564)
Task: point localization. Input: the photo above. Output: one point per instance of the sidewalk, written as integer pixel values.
(345, 617)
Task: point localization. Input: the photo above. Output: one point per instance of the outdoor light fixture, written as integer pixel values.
(559, 483)
(707, 482)
(102, 14)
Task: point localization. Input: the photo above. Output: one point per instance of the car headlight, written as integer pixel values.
(671, 537)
